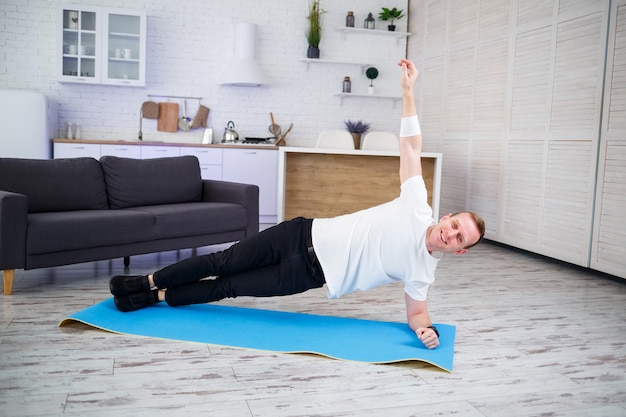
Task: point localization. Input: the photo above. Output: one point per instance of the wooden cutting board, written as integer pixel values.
(168, 117)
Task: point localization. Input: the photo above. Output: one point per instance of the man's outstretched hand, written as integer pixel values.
(428, 337)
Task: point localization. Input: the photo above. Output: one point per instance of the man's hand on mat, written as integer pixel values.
(428, 337)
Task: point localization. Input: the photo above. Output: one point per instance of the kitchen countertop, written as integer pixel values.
(179, 144)
(360, 152)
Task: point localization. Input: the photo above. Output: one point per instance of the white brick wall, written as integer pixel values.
(189, 44)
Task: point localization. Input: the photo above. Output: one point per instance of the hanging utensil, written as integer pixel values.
(274, 128)
(168, 117)
(150, 110)
(281, 141)
(201, 117)
(184, 123)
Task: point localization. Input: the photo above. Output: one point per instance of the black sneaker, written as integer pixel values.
(132, 302)
(128, 284)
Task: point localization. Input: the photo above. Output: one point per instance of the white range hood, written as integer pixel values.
(244, 70)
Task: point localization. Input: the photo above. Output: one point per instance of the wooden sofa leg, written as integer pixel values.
(126, 261)
(9, 274)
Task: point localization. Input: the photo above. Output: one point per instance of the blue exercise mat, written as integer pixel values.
(335, 337)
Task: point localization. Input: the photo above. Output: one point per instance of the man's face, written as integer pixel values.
(452, 234)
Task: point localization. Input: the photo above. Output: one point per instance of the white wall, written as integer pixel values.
(189, 42)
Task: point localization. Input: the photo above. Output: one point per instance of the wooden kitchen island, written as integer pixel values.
(314, 182)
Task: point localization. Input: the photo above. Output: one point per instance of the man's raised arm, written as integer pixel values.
(410, 133)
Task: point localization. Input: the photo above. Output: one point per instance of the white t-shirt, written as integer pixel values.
(379, 245)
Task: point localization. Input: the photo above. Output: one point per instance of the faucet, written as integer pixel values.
(140, 122)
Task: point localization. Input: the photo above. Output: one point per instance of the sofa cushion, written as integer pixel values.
(140, 182)
(193, 219)
(66, 231)
(55, 184)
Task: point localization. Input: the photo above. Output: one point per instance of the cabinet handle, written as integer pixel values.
(250, 153)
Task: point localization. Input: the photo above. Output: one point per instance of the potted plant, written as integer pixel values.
(357, 129)
(314, 31)
(391, 14)
(371, 73)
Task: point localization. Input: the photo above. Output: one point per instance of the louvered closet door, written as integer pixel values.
(512, 93)
(556, 102)
(609, 237)
(575, 114)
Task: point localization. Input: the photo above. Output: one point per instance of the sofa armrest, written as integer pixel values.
(232, 192)
(13, 221)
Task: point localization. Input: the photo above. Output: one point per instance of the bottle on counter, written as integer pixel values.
(207, 138)
(347, 85)
(350, 20)
(69, 130)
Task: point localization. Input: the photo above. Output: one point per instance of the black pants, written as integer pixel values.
(278, 261)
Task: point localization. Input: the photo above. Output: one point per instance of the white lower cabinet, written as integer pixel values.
(258, 167)
(155, 151)
(210, 161)
(121, 150)
(76, 150)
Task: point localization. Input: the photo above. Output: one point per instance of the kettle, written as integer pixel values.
(230, 134)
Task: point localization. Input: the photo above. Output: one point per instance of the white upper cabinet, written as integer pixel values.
(99, 45)
(124, 47)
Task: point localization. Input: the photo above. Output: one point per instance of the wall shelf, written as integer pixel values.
(388, 33)
(335, 62)
(341, 96)
(364, 65)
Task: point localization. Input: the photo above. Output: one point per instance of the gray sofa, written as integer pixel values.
(65, 211)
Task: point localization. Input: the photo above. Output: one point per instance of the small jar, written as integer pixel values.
(347, 85)
(350, 20)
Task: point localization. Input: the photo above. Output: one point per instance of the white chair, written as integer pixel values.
(341, 139)
(380, 141)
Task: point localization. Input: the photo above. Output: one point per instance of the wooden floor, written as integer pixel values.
(534, 338)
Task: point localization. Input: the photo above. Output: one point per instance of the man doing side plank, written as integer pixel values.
(391, 242)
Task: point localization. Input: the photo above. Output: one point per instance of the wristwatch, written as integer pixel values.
(434, 329)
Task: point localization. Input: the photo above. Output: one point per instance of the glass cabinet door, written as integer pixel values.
(79, 45)
(124, 47)
(102, 45)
